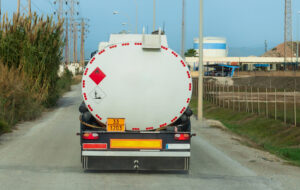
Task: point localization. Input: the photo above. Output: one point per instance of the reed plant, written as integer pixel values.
(30, 55)
(34, 45)
(17, 103)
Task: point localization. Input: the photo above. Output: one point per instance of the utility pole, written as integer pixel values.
(75, 41)
(60, 10)
(67, 57)
(153, 15)
(82, 43)
(83, 31)
(288, 33)
(0, 11)
(136, 17)
(60, 15)
(266, 46)
(26, 9)
(297, 36)
(73, 25)
(183, 29)
(200, 66)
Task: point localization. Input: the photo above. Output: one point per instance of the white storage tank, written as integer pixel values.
(139, 78)
(212, 46)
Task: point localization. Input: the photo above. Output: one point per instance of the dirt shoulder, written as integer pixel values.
(238, 148)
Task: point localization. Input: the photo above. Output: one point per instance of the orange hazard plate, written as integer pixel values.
(136, 143)
(115, 125)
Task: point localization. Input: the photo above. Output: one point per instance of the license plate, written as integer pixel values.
(115, 125)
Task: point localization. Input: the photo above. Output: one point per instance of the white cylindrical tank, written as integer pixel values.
(149, 88)
(212, 46)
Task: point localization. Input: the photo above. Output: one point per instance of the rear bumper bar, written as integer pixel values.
(138, 163)
(138, 153)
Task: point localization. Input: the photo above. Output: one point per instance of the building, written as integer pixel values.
(212, 46)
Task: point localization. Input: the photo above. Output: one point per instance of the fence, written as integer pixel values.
(269, 102)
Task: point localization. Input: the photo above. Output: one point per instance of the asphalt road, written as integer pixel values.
(45, 154)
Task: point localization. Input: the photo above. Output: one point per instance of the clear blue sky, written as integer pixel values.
(245, 23)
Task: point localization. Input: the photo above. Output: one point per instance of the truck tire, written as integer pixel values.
(82, 108)
(86, 116)
(187, 126)
(189, 112)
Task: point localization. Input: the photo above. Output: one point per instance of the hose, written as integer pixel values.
(89, 125)
(98, 127)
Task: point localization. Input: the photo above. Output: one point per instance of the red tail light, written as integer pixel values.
(90, 136)
(182, 137)
(94, 146)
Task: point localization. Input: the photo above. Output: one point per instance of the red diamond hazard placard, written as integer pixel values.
(97, 75)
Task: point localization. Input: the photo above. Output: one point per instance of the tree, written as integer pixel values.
(190, 53)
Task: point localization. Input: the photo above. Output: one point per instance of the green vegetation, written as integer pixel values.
(65, 82)
(30, 55)
(190, 53)
(271, 135)
(77, 79)
(4, 127)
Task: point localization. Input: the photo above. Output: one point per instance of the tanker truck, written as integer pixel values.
(135, 115)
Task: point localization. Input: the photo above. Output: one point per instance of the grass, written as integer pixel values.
(4, 128)
(17, 102)
(76, 79)
(271, 135)
(64, 82)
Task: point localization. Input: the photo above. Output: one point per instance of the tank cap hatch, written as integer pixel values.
(152, 41)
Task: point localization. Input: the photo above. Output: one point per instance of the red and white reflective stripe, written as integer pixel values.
(84, 95)
(188, 74)
(162, 125)
(92, 60)
(139, 44)
(102, 51)
(89, 106)
(182, 62)
(114, 46)
(100, 118)
(163, 47)
(182, 110)
(94, 146)
(86, 71)
(174, 119)
(175, 54)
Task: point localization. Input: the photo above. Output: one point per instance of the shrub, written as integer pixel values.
(17, 102)
(30, 55)
(34, 45)
(65, 81)
(4, 127)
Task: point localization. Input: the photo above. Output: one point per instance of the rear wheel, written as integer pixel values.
(186, 127)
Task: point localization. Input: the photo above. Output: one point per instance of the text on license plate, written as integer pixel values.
(115, 124)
